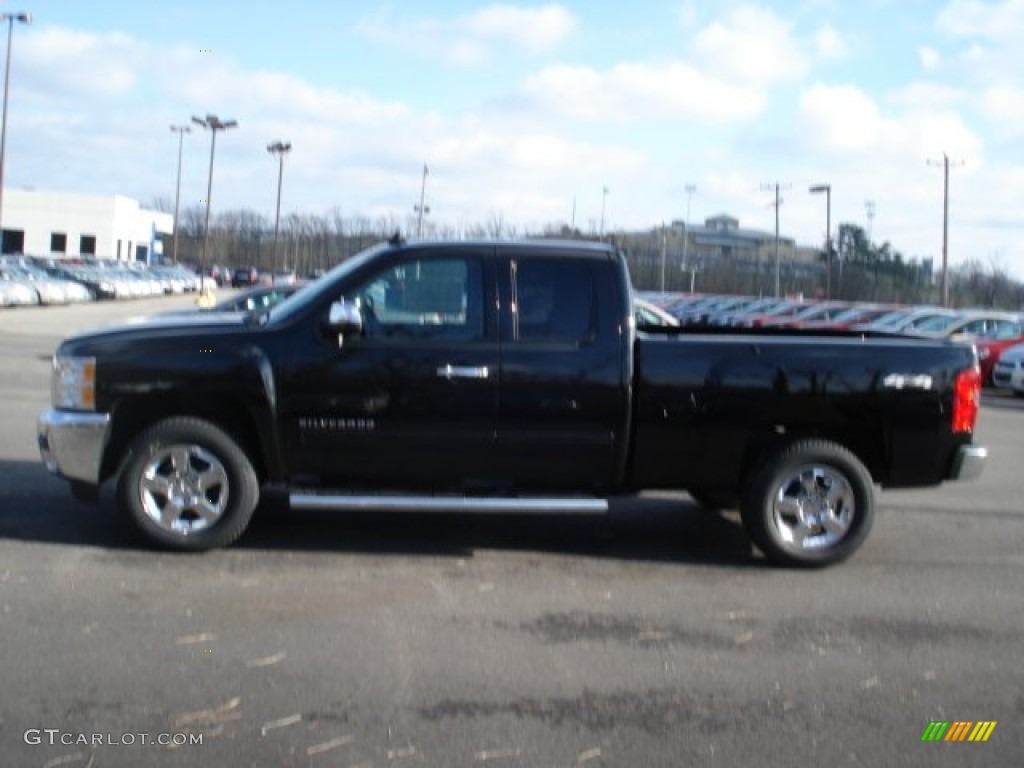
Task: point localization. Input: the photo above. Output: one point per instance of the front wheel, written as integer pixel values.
(809, 505)
(187, 485)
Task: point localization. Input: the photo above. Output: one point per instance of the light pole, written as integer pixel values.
(279, 149)
(213, 124)
(817, 189)
(604, 201)
(10, 18)
(690, 189)
(181, 130)
(421, 208)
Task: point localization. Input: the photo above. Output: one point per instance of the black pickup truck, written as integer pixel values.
(500, 376)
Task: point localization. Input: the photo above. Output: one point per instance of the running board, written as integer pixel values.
(481, 505)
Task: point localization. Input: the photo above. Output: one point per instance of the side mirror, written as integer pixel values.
(345, 318)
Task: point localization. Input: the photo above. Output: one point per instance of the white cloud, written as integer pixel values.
(829, 44)
(930, 59)
(473, 39)
(71, 61)
(986, 20)
(1003, 105)
(533, 27)
(636, 92)
(927, 96)
(752, 45)
(843, 118)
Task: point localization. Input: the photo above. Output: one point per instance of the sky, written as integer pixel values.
(545, 113)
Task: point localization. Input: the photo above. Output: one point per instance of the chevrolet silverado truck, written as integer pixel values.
(500, 376)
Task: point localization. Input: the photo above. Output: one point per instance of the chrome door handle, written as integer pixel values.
(463, 372)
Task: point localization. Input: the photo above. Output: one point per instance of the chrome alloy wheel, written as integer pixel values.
(812, 508)
(184, 489)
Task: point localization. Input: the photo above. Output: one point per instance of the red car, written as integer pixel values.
(989, 351)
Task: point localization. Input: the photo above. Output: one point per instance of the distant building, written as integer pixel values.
(63, 224)
(722, 238)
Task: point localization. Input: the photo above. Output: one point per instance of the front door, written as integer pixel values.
(412, 402)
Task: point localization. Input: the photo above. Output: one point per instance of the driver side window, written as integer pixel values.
(424, 299)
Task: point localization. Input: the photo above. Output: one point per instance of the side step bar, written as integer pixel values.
(481, 505)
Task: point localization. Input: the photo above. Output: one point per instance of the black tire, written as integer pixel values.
(810, 477)
(214, 486)
(715, 499)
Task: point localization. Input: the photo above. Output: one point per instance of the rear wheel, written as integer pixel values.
(810, 505)
(187, 485)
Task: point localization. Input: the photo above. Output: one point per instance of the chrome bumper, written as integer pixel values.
(968, 462)
(72, 443)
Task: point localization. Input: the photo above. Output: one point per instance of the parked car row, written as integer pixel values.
(26, 284)
(247, 276)
(994, 333)
(28, 281)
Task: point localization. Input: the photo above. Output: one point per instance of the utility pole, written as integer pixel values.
(421, 208)
(945, 224)
(778, 202)
(604, 200)
(664, 254)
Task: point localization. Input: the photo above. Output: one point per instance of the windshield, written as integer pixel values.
(891, 319)
(937, 324)
(312, 293)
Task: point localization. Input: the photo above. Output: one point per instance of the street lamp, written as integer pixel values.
(213, 124)
(10, 18)
(181, 130)
(279, 149)
(817, 189)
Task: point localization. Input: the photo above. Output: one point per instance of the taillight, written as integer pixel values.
(966, 399)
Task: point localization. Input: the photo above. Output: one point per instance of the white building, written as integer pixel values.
(62, 224)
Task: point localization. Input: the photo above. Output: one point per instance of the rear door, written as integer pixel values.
(562, 412)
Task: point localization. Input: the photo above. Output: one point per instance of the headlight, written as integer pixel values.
(73, 384)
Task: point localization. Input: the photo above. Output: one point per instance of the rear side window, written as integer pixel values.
(554, 301)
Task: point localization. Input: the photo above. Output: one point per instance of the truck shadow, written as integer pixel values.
(37, 507)
(655, 529)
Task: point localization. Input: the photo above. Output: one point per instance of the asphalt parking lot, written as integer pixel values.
(651, 637)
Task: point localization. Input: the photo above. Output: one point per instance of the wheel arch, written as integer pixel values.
(134, 415)
(764, 447)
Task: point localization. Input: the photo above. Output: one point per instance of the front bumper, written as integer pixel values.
(968, 462)
(72, 443)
